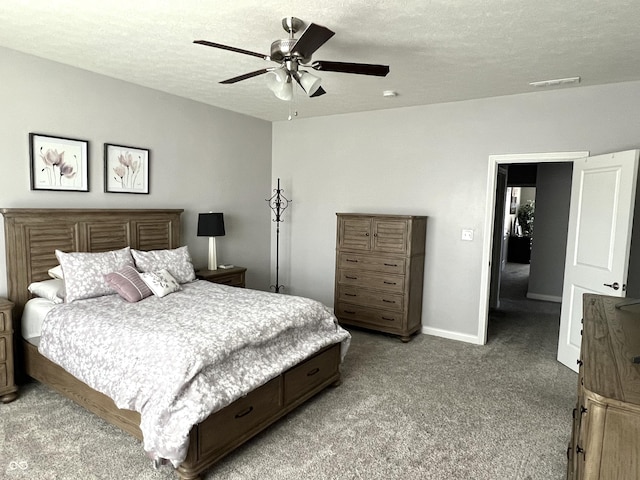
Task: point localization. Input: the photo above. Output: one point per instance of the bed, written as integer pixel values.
(33, 235)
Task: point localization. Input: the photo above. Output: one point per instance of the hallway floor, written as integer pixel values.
(521, 320)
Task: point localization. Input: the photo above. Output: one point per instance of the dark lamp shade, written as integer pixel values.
(210, 225)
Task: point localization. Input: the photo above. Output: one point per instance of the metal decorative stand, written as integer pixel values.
(278, 203)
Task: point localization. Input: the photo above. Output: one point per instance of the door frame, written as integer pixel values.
(487, 244)
(497, 253)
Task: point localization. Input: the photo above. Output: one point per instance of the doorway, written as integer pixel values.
(517, 234)
(490, 254)
(513, 226)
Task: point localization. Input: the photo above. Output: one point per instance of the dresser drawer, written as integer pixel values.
(305, 377)
(233, 279)
(4, 377)
(234, 276)
(391, 283)
(372, 263)
(4, 324)
(3, 347)
(367, 317)
(371, 298)
(233, 424)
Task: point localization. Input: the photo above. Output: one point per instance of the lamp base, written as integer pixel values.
(213, 261)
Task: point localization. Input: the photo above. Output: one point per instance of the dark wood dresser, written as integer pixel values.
(379, 272)
(8, 389)
(605, 441)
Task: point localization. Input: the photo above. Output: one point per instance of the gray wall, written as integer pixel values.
(431, 160)
(633, 280)
(553, 195)
(200, 158)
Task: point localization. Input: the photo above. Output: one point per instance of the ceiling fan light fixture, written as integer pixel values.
(309, 82)
(293, 52)
(279, 82)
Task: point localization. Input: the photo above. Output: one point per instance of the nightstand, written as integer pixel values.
(8, 389)
(227, 276)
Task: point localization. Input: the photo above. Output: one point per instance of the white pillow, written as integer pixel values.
(161, 283)
(56, 272)
(84, 272)
(176, 261)
(50, 289)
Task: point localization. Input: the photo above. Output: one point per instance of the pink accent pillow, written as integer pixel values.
(128, 284)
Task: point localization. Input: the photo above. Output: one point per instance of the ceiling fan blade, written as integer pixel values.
(357, 68)
(318, 92)
(245, 76)
(312, 39)
(231, 49)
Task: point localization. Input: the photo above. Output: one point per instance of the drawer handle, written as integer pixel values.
(582, 410)
(388, 301)
(354, 261)
(311, 373)
(579, 362)
(351, 278)
(350, 295)
(390, 264)
(388, 319)
(579, 449)
(366, 234)
(390, 283)
(244, 413)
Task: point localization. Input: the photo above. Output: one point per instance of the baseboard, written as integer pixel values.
(462, 337)
(544, 298)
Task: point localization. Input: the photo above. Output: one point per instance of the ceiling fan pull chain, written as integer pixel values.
(293, 111)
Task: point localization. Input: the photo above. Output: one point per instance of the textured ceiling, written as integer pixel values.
(437, 50)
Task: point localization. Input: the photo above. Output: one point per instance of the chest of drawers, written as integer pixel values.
(380, 271)
(605, 440)
(8, 387)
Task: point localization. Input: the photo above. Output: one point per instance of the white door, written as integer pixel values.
(603, 193)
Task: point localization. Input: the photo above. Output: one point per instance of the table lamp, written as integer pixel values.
(211, 225)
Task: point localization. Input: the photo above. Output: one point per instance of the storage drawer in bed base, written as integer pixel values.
(223, 431)
(232, 426)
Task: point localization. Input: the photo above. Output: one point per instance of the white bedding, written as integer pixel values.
(179, 358)
(32, 317)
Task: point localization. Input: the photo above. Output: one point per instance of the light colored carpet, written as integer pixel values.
(429, 409)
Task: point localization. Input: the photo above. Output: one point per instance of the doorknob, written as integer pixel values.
(615, 285)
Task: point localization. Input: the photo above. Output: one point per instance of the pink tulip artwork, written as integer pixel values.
(58, 163)
(56, 168)
(126, 169)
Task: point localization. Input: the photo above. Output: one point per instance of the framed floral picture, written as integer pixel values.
(126, 169)
(59, 163)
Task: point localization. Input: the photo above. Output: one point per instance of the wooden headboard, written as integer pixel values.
(33, 234)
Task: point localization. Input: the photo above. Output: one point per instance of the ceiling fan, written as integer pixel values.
(292, 53)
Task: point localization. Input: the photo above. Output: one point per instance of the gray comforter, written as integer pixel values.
(179, 358)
